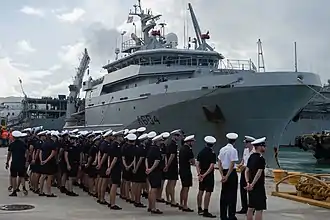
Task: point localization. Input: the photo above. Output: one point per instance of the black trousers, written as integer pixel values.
(244, 193)
(228, 197)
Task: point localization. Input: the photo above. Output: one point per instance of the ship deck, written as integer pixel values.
(85, 207)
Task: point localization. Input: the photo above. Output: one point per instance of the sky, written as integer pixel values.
(41, 41)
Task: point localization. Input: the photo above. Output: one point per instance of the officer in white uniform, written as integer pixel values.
(248, 150)
(227, 158)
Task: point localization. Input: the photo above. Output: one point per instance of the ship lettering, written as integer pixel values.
(145, 120)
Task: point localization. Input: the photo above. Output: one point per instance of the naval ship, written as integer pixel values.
(162, 87)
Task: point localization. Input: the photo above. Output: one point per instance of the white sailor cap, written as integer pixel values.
(126, 131)
(42, 133)
(259, 141)
(98, 132)
(189, 138)
(48, 132)
(248, 139)
(131, 137)
(66, 132)
(132, 131)
(157, 138)
(210, 139)
(165, 134)
(16, 134)
(232, 136)
(75, 130)
(97, 138)
(24, 134)
(27, 130)
(152, 134)
(117, 133)
(54, 133)
(108, 133)
(178, 131)
(74, 136)
(90, 135)
(143, 136)
(141, 129)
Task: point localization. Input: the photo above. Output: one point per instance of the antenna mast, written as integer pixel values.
(295, 57)
(261, 62)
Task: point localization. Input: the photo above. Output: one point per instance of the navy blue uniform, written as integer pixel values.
(18, 151)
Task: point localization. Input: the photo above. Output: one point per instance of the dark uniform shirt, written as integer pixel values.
(128, 153)
(153, 155)
(115, 152)
(163, 157)
(93, 153)
(46, 150)
(172, 148)
(185, 155)
(140, 151)
(256, 162)
(18, 152)
(205, 158)
(104, 149)
(73, 153)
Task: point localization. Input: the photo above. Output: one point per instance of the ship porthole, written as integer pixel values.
(133, 107)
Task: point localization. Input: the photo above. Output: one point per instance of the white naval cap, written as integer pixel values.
(27, 130)
(141, 129)
(232, 136)
(165, 134)
(157, 138)
(97, 138)
(259, 141)
(16, 134)
(108, 133)
(210, 139)
(131, 137)
(91, 135)
(24, 134)
(132, 131)
(75, 130)
(126, 131)
(189, 138)
(98, 132)
(178, 131)
(248, 139)
(152, 134)
(65, 132)
(117, 133)
(143, 137)
(42, 133)
(54, 133)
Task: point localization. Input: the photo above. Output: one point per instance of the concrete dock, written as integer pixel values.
(85, 207)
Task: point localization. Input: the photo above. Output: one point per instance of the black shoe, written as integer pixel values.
(13, 194)
(115, 207)
(187, 210)
(139, 205)
(51, 195)
(242, 211)
(157, 211)
(200, 211)
(208, 215)
(63, 189)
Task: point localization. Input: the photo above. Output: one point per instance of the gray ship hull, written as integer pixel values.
(257, 111)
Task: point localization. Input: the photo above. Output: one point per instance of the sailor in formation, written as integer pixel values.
(137, 162)
(248, 150)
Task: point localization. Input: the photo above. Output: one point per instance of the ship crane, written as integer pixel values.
(76, 87)
(22, 89)
(200, 38)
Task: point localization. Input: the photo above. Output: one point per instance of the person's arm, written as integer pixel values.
(261, 167)
(220, 168)
(156, 163)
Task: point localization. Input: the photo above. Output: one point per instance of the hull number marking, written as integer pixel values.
(145, 120)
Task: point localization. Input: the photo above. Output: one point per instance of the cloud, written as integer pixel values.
(72, 17)
(25, 47)
(69, 54)
(32, 11)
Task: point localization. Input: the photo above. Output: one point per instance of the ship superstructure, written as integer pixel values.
(162, 87)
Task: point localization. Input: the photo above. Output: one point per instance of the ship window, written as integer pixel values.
(126, 87)
(133, 107)
(124, 98)
(194, 62)
(135, 85)
(13, 113)
(118, 109)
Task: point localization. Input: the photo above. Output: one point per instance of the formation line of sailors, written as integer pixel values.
(138, 163)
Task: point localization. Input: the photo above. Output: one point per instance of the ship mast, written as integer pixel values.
(261, 62)
(76, 86)
(200, 38)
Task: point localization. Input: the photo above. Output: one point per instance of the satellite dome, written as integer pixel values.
(172, 38)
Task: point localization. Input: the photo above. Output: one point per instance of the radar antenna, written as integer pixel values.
(76, 86)
(261, 62)
(201, 38)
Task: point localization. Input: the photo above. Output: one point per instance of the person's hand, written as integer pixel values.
(166, 169)
(107, 172)
(224, 179)
(43, 162)
(69, 167)
(148, 171)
